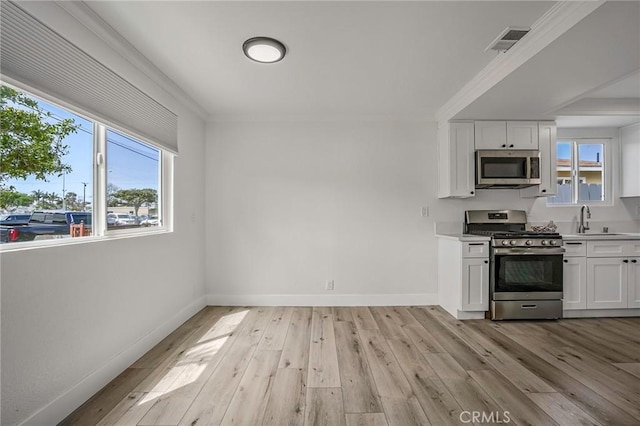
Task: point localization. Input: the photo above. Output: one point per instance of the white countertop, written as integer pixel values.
(565, 237)
(595, 236)
(463, 237)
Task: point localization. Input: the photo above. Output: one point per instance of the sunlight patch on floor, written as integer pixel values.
(192, 363)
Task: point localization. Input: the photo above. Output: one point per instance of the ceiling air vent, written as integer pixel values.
(507, 38)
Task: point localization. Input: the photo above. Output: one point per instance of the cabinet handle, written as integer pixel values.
(634, 261)
(573, 244)
(626, 261)
(504, 146)
(511, 146)
(472, 192)
(486, 261)
(544, 190)
(566, 261)
(476, 244)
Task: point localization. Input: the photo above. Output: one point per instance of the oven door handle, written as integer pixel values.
(526, 251)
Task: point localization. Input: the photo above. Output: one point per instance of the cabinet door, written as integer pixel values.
(634, 282)
(630, 158)
(462, 157)
(574, 248)
(491, 134)
(633, 248)
(547, 136)
(607, 248)
(475, 284)
(575, 283)
(522, 135)
(476, 249)
(607, 283)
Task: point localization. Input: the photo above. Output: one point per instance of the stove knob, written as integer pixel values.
(513, 242)
(505, 242)
(529, 242)
(553, 242)
(543, 242)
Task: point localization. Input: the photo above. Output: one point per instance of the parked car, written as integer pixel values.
(151, 220)
(123, 219)
(43, 224)
(14, 219)
(111, 219)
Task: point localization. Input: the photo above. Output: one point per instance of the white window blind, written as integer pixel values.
(36, 56)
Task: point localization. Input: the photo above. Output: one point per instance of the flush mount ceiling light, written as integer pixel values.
(264, 49)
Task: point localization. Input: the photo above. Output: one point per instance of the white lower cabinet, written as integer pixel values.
(603, 274)
(607, 279)
(463, 277)
(475, 284)
(575, 283)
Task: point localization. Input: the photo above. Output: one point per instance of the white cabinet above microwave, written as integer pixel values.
(506, 135)
(458, 141)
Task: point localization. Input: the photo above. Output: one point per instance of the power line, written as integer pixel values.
(60, 119)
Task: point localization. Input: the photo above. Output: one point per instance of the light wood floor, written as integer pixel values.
(377, 366)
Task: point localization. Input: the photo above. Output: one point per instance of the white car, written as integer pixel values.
(123, 219)
(150, 221)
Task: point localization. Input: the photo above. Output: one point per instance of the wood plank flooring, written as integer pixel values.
(376, 366)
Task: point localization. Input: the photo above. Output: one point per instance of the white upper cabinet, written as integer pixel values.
(522, 135)
(547, 135)
(491, 134)
(456, 165)
(630, 159)
(506, 135)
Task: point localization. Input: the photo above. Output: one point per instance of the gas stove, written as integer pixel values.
(525, 267)
(507, 229)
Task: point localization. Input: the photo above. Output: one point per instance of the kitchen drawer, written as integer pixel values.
(475, 249)
(614, 248)
(633, 248)
(575, 248)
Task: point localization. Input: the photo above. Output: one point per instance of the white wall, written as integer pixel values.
(293, 204)
(75, 316)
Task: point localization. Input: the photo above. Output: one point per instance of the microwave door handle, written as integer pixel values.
(528, 171)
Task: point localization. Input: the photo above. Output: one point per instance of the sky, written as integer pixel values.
(130, 164)
(587, 151)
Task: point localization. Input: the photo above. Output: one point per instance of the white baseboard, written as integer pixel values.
(65, 404)
(601, 313)
(322, 299)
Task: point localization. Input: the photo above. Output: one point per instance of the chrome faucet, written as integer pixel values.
(582, 227)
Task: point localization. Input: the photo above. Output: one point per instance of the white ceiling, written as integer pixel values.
(627, 87)
(597, 58)
(396, 59)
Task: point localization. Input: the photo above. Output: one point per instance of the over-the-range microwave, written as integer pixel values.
(507, 168)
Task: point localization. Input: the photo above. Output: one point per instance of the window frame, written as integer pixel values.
(99, 204)
(607, 166)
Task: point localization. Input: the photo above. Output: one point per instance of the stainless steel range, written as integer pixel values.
(525, 269)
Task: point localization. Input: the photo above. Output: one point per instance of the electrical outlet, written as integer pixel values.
(329, 285)
(424, 211)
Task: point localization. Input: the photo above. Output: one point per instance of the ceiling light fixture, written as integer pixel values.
(264, 49)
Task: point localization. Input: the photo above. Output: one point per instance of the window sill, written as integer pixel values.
(68, 241)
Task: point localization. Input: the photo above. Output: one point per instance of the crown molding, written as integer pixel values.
(98, 26)
(602, 106)
(556, 21)
(319, 118)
